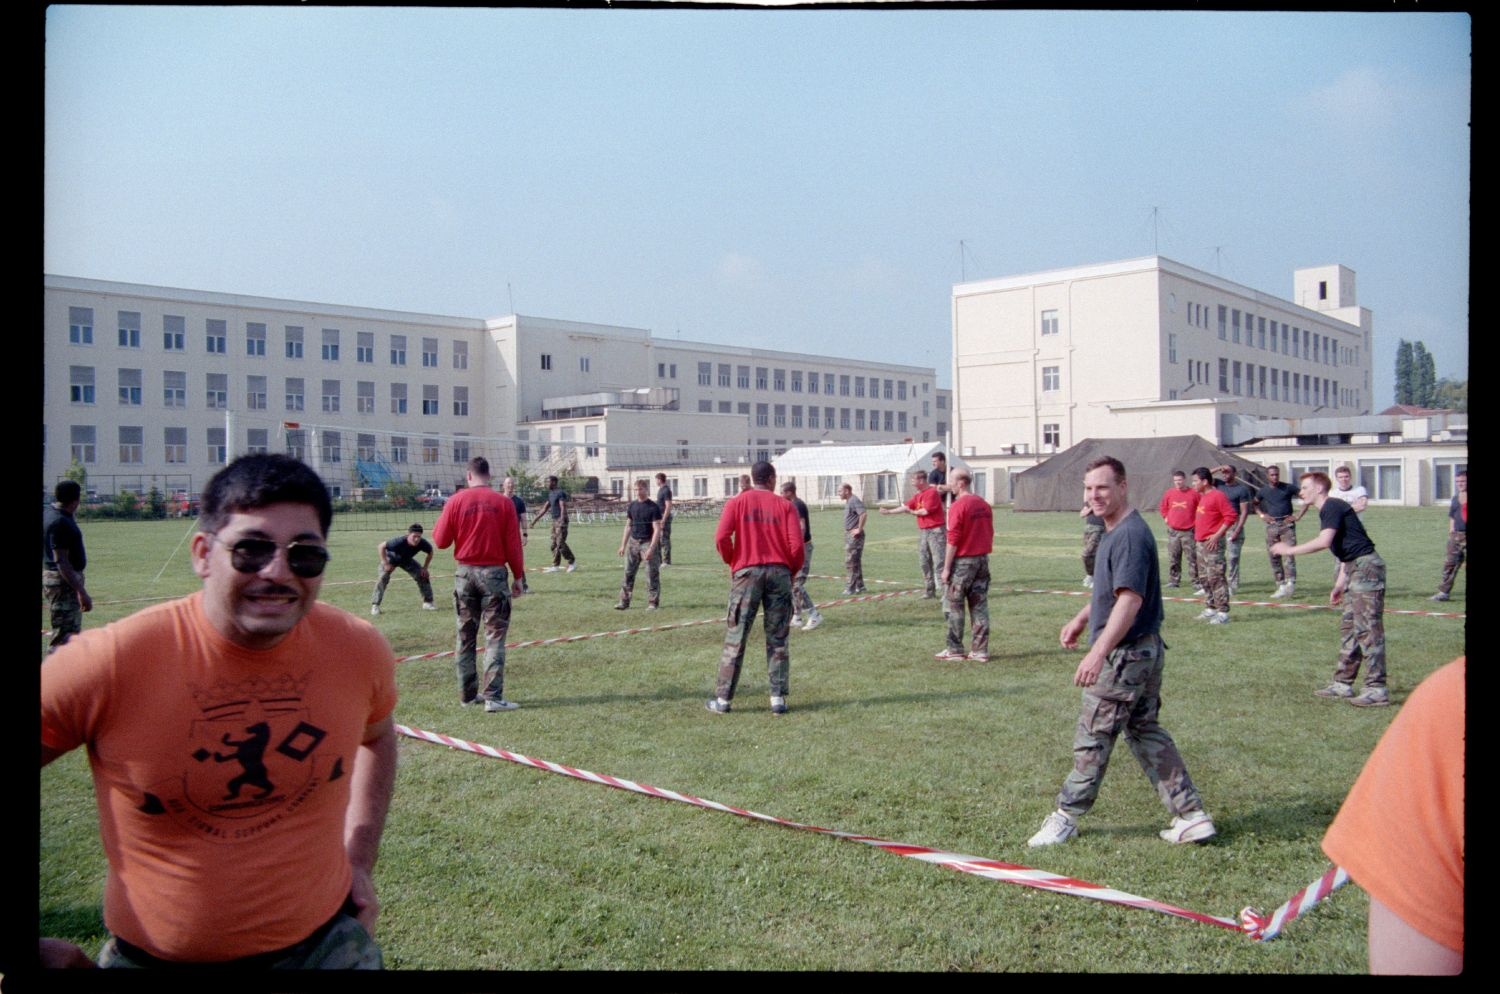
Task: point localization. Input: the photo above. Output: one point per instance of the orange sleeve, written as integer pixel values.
(1400, 832)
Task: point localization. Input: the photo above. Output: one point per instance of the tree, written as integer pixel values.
(77, 473)
(1404, 372)
(1424, 376)
(1452, 394)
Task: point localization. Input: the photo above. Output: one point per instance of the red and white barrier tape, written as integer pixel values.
(562, 639)
(1282, 604)
(1263, 927)
(1011, 873)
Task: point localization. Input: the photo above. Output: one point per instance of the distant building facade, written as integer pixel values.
(153, 386)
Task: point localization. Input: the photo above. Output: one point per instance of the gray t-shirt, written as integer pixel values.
(1127, 561)
(852, 510)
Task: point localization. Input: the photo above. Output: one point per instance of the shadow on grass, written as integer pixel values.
(70, 920)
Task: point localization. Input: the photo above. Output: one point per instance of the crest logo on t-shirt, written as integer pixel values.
(253, 756)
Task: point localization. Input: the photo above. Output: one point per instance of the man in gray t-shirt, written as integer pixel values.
(854, 540)
(1122, 671)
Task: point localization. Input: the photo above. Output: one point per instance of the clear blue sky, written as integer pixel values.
(789, 179)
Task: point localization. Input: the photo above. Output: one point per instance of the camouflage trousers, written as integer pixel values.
(481, 594)
(1127, 697)
(854, 561)
(1282, 530)
(1233, 547)
(635, 551)
(802, 602)
(666, 540)
(1180, 541)
(1362, 628)
(755, 588)
(932, 549)
(560, 550)
(1092, 536)
(412, 570)
(1211, 575)
(65, 612)
(342, 944)
(969, 584)
(1458, 546)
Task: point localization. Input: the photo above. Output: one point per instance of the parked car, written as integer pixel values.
(433, 497)
(183, 504)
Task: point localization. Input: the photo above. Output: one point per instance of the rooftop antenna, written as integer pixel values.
(512, 297)
(1217, 250)
(1155, 243)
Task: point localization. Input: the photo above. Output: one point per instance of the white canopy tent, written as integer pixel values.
(876, 472)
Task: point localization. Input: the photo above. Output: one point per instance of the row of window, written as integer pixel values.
(776, 415)
(216, 339)
(81, 390)
(83, 442)
(769, 378)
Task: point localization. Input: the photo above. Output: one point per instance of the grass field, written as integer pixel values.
(487, 865)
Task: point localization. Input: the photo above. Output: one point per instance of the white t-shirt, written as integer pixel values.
(1349, 496)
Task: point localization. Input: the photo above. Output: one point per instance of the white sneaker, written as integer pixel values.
(1058, 827)
(1195, 826)
(813, 622)
(1088, 582)
(374, 609)
(552, 569)
(1219, 618)
(1280, 591)
(1199, 592)
(429, 606)
(1206, 614)
(572, 567)
(796, 621)
(490, 707)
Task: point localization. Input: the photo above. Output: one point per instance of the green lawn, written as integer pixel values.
(491, 865)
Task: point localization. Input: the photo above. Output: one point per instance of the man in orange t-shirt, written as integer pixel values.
(1400, 832)
(241, 745)
(1179, 507)
(926, 505)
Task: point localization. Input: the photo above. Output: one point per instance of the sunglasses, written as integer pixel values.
(251, 555)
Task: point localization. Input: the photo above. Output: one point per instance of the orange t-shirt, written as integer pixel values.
(221, 773)
(1400, 833)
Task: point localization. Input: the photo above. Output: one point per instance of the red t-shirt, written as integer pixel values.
(482, 527)
(1214, 510)
(932, 501)
(1178, 507)
(758, 528)
(971, 526)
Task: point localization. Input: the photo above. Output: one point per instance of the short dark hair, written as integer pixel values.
(479, 466)
(1178, 472)
(1463, 473)
(256, 481)
(1115, 466)
(762, 473)
(414, 529)
(789, 486)
(67, 492)
(940, 457)
(1202, 473)
(551, 481)
(662, 477)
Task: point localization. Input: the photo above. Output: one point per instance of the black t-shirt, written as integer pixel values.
(399, 550)
(1127, 560)
(642, 513)
(663, 495)
(555, 500)
(1349, 538)
(1456, 515)
(520, 509)
(60, 531)
(1237, 493)
(937, 478)
(1093, 521)
(806, 521)
(1276, 499)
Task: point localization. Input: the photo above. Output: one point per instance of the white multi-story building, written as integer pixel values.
(1147, 347)
(152, 386)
